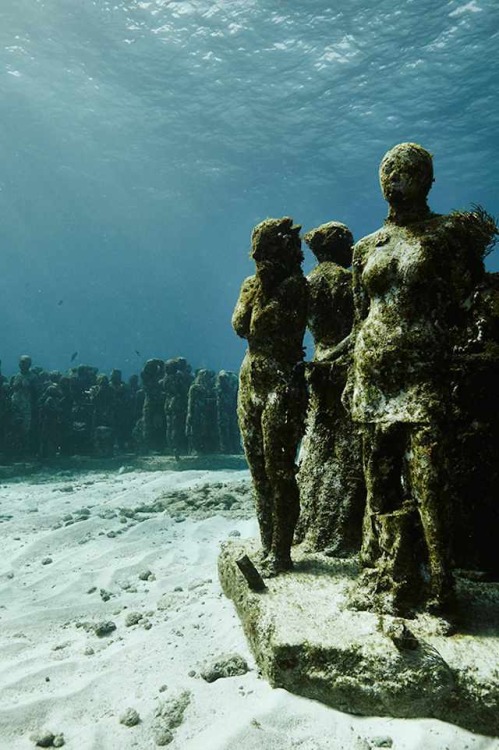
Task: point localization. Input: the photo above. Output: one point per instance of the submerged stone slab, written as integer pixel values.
(306, 640)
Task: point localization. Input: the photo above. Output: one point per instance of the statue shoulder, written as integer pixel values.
(249, 285)
(295, 285)
(367, 244)
(330, 273)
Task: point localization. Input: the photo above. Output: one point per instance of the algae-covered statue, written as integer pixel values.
(271, 314)
(22, 407)
(176, 383)
(474, 454)
(201, 426)
(421, 389)
(332, 492)
(153, 416)
(412, 282)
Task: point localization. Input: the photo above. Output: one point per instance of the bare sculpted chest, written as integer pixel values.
(402, 336)
(397, 264)
(401, 283)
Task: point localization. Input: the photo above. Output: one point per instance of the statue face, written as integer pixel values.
(406, 174)
(24, 364)
(274, 241)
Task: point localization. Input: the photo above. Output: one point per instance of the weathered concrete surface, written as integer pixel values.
(306, 641)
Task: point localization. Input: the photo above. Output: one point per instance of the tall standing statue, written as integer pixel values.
(412, 280)
(271, 314)
(201, 421)
(22, 407)
(332, 492)
(176, 383)
(153, 415)
(226, 388)
(475, 444)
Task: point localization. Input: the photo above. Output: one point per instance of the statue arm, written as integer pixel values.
(360, 311)
(241, 318)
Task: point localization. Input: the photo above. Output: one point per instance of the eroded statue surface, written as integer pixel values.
(271, 314)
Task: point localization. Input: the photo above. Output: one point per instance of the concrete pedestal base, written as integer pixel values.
(306, 640)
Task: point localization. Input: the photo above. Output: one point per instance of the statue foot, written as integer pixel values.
(444, 613)
(273, 565)
(262, 555)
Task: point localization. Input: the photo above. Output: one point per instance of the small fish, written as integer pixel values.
(73, 356)
(60, 302)
(137, 352)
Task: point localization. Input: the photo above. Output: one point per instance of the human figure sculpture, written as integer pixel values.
(4, 408)
(153, 416)
(411, 280)
(176, 383)
(66, 416)
(474, 454)
(50, 407)
(82, 379)
(121, 409)
(22, 407)
(102, 398)
(201, 427)
(271, 314)
(332, 492)
(226, 387)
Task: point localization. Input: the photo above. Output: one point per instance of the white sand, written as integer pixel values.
(56, 675)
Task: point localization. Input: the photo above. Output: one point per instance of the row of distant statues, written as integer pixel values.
(169, 410)
(400, 455)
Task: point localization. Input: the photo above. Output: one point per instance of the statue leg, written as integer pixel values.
(282, 423)
(383, 448)
(427, 474)
(250, 423)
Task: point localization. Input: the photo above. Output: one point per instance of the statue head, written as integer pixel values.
(153, 370)
(24, 364)
(331, 242)
(406, 175)
(182, 364)
(133, 382)
(115, 377)
(205, 377)
(276, 242)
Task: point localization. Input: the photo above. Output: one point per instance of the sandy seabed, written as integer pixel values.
(138, 549)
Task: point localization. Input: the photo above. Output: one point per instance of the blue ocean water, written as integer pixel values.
(141, 141)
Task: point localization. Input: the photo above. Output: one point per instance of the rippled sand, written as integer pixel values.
(81, 549)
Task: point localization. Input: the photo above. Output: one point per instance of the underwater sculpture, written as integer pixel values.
(102, 399)
(153, 415)
(50, 407)
(226, 387)
(412, 280)
(22, 408)
(201, 423)
(474, 448)
(121, 408)
(330, 478)
(4, 407)
(422, 390)
(271, 314)
(176, 383)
